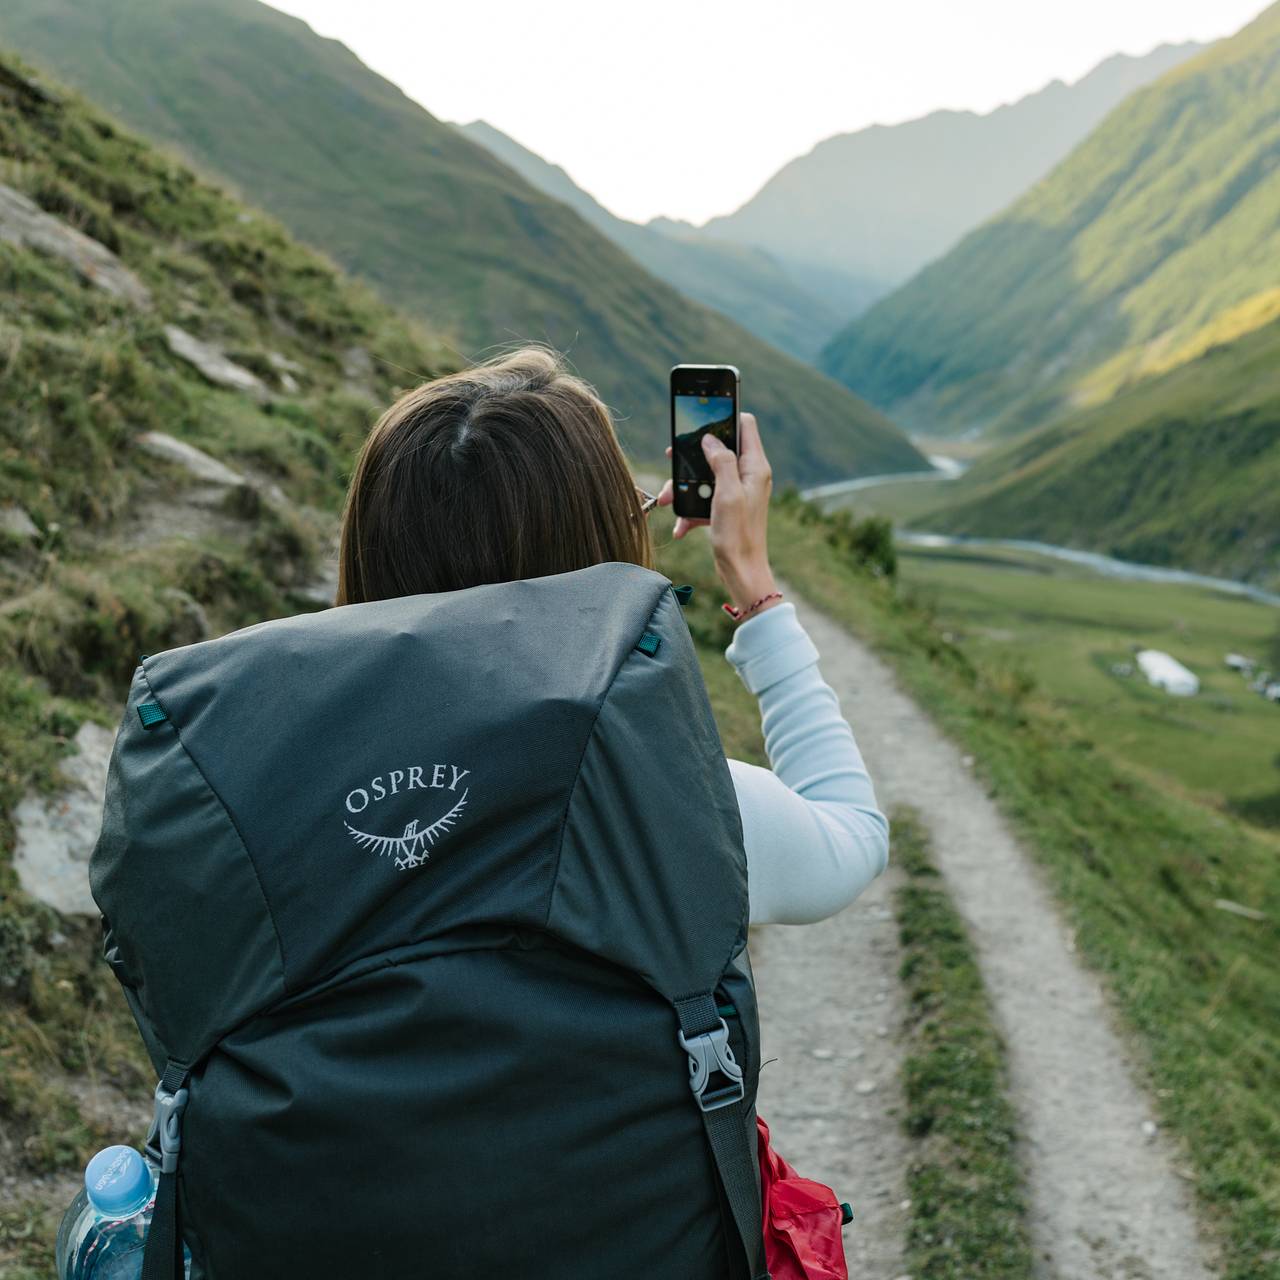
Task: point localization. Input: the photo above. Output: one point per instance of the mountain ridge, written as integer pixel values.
(742, 282)
(352, 166)
(1163, 218)
(883, 200)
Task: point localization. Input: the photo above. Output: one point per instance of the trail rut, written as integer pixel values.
(831, 1017)
(1106, 1203)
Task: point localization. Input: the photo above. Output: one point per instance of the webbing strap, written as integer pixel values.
(163, 1258)
(726, 1127)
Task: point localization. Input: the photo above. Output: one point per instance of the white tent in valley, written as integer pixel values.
(1167, 673)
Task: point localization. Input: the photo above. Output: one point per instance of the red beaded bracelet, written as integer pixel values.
(738, 614)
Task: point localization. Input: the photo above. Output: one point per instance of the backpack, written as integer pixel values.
(432, 914)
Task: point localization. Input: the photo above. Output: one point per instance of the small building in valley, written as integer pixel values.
(1167, 673)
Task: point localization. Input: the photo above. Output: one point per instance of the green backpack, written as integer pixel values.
(432, 913)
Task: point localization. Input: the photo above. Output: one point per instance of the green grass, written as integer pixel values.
(968, 1216)
(1137, 869)
(439, 225)
(1065, 629)
(1161, 220)
(25, 1234)
(1163, 354)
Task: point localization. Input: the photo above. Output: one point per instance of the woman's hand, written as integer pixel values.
(739, 514)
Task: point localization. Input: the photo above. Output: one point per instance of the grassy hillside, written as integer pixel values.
(743, 282)
(436, 222)
(1138, 869)
(1164, 218)
(1183, 469)
(883, 201)
(108, 551)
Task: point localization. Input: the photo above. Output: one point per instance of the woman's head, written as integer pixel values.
(508, 470)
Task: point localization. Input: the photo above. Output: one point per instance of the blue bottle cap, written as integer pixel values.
(117, 1182)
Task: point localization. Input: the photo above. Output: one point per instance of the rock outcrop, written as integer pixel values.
(198, 464)
(213, 365)
(56, 834)
(285, 371)
(17, 523)
(323, 588)
(25, 224)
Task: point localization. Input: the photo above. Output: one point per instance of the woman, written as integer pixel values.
(391, 1047)
(512, 470)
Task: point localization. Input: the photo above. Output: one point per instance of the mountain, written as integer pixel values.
(880, 203)
(744, 283)
(1164, 218)
(435, 222)
(1182, 469)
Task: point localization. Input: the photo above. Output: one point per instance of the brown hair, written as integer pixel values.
(508, 470)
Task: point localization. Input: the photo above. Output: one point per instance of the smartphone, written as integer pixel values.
(704, 397)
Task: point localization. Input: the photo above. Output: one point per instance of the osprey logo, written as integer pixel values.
(410, 847)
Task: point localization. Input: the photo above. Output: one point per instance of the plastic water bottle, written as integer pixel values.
(104, 1233)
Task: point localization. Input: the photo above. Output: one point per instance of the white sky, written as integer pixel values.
(686, 107)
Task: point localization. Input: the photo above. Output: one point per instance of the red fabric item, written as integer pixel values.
(802, 1220)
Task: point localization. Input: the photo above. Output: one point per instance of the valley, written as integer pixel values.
(198, 327)
(1069, 621)
(1072, 633)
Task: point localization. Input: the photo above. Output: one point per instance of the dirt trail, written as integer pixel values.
(1106, 1203)
(831, 1015)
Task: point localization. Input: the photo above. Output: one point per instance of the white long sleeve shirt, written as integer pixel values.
(814, 835)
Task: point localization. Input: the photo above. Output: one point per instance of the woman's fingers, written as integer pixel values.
(685, 523)
(729, 469)
(753, 463)
(724, 466)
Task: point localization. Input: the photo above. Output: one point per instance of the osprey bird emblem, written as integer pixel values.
(411, 847)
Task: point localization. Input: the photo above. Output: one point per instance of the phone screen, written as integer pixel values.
(693, 417)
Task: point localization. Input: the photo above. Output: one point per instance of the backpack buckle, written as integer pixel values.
(164, 1138)
(714, 1074)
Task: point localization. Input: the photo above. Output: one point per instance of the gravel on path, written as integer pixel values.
(831, 1015)
(1106, 1203)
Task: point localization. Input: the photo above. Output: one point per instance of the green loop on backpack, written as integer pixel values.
(151, 714)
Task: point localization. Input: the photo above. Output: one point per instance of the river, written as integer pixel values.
(943, 469)
(950, 469)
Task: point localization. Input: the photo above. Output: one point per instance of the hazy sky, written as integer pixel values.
(686, 108)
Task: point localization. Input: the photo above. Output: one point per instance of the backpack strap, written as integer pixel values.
(163, 1258)
(715, 1077)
